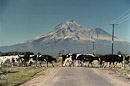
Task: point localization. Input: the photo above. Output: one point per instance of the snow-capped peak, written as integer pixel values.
(74, 31)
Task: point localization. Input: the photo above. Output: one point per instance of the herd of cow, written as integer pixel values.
(102, 59)
(71, 59)
(22, 60)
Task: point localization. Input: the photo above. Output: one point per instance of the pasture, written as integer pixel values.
(15, 76)
(18, 75)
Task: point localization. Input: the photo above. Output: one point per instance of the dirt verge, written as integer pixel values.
(42, 77)
(114, 75)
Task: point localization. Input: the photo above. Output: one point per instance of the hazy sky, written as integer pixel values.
(22, 20)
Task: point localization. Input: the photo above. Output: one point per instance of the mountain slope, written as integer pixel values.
(71, 37)
(74, 31)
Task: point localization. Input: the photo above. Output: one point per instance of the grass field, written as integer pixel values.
(15, 76)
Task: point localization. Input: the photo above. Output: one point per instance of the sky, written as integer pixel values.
(23, 20)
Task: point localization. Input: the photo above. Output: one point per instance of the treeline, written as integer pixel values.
(15, 53)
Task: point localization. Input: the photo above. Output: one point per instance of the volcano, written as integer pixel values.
(72, 38)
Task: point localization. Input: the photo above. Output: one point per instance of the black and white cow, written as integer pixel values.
(69, 58)
(110, 59)
(87, 58)
(48, 59)
(11, 60)
(66, 59)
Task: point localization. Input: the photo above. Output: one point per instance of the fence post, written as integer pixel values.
(123, 64)
(129, 65)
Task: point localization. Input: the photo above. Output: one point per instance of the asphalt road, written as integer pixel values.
(80, 76)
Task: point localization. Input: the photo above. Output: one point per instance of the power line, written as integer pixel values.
(118, 18)
(124, 20)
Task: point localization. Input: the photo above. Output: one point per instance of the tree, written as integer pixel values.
(119, 53)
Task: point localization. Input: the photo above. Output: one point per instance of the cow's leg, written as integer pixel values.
(88, 64)
(52, 64)
(108, 64)
(105, 64)
(91, 64)
(101, 63)
(11, 64)
(74, 63)
(23, 64)
(62, 63)
(0, 66)
(81, 63)
(65, 62)
(114, 64)
(40, 63)
(36, 64)
(47, 63)
(70, 63)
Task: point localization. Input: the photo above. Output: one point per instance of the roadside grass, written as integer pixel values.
(123, 71)
(118, 68)
(15, 76)
(18, 75)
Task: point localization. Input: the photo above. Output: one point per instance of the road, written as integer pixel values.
(77, 76)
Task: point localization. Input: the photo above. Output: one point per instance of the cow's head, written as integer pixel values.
(15, 60)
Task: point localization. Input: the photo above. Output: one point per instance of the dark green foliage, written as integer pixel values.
(119, 53)
(15, 53)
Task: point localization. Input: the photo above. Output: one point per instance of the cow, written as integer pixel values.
(2, 61)
(110, 59)
(66, 58)
(63, 58)
(70, 58)
(9, 59)
(127, 58)
(87, 58)
(48, 59)
(25, 59)
(75, 60)
(40, 59)
(33, 59)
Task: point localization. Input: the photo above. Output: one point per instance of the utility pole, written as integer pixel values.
(113, 25)
(86, 49)
(93, 48)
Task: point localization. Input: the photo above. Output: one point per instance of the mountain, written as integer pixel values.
(71, 37)
(74, 31)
